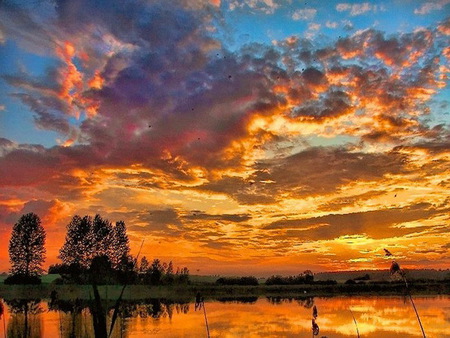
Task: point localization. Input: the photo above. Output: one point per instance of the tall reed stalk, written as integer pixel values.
(200, 303)
(2, 314)
(356, 324)
(206, 319)
(395, 269)
(116, 306)
(314, 327)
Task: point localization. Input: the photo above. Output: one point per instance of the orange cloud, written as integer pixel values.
(72, 79)
(96, 81)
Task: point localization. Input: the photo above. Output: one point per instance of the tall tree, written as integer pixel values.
(156, 272)
(77, 248)
(120, 245)
(144, 266)
(102, 237)
(26, 246)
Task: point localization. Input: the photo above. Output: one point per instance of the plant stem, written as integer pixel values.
(206, 320)
(4, 325)
(356, 324)
(414, 307)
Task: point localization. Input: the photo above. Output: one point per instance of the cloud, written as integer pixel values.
(358, 9)
(18, 22)
(304, 14)
(185, 138)
(264, 6)
(331, 24)
(199, 215)
(428, 7)
(159, 220)
(376, 224)
(315, 171)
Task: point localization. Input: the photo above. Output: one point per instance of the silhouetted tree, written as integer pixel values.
(309, 276)
(156, 272)
(88, 238)
(120, 245)
(77, 248)
(169, 277)
(102, 237)
(144, 266)
(101, 271)
(26, 246)
(183, 276)
(169, 270)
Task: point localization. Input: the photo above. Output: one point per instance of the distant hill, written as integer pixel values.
(382, 275)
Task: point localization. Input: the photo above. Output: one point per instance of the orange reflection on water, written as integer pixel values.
(265, 317)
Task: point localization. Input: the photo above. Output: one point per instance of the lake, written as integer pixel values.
(246, 317)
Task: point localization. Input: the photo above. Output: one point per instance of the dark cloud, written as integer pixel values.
(329, 105)
(376, 224)
(314, 171)
(349, 201)
(24, 24)
(166, 92)
(158, 220)
(42, 208)
(44, 117)
(199, 215)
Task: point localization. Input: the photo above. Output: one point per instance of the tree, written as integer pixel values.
(102, 237)
(309, 276)
(26, 246)
(169, 277)
(169, 270)
(120, 244)
(144, 266)
(156, 272)
(77, 248)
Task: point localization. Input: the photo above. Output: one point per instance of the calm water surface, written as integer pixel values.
(250, 317)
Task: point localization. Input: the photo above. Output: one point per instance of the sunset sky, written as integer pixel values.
(234, 137)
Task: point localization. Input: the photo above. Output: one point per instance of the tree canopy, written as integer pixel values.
(89, 237)
(26, 246)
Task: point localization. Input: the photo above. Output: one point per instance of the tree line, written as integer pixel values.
(94, 250)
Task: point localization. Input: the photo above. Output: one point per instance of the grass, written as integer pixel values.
(187, 292)
(46, 279)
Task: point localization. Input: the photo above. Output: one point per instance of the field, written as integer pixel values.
(205, 285)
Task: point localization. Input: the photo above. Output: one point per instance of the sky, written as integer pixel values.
(232, 137)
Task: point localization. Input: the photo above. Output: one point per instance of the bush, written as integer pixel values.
(250, 280)
(365, 277)
(326, 282)
(304, 278)
(22, 279)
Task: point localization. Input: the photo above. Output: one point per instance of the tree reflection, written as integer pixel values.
(25, 320)
(77, 317)
(74, 317)
(306, 302)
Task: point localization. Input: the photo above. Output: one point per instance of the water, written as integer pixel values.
(249, 317)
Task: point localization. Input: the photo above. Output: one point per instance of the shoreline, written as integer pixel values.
(210, 291)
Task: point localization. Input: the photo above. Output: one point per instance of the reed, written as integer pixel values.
(200, 303)
(314, 327)
(206, 319)
(2, 315)
(356, 324)
(116, 306)
(395, 269)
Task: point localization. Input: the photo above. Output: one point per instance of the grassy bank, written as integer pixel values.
(212, 291)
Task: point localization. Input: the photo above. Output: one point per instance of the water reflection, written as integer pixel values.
(230, 317)
(25, 320)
